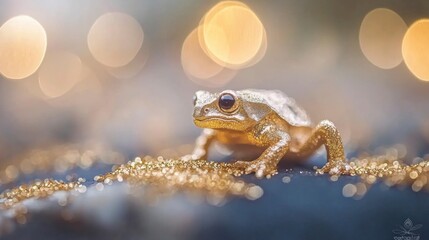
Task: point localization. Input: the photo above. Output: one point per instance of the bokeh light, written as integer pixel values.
(380, 37)
(199, 67)
(59, 73)
(115, 39)
(258, 56)
(232, 34)
(22, 47)
(216, 81)
(415, 49)
(194, 60)
(132, 69)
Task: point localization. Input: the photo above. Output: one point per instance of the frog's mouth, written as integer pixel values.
(212, 122)
(204, 119)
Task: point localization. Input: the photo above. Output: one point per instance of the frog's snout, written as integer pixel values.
(200, 113)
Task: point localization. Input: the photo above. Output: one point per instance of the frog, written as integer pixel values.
(263, 119)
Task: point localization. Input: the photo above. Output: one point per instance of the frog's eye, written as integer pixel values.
(227, 102)
(195, 100)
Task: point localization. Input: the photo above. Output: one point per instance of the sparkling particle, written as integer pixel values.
(414, 174)
(286, 179)
(417, 186)
(361, 189)
(334, 178)
(81, 189)
(349, 190)
(254, 192)
(99, 186)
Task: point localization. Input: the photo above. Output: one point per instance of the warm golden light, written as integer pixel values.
(115, 39)
(59, 73)
(209, 16)
(132, 69)
(200, 68)
(195, 62)
(22, 47)
(216, 81)
(415, 49)
(231, 34)
(380, 37)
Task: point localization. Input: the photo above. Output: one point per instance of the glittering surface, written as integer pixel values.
(392, 170)
(58, 159)
(172, 174)
(37, 189)
(214, 180)
(222, 179)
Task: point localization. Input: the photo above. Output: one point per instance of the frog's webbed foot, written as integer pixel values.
(335, 167)
(262, 168)
(266, 164)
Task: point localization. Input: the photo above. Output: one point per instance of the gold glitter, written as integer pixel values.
(216, 179)
(220, 179)
(388, 167)
(413, 174)
(59, 158)
(37, 189)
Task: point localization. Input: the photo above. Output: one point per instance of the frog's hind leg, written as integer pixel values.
(325, 133)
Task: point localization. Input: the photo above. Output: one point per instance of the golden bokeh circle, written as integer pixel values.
(231, 34)
(194, 60)
(209, 15)
(259, 55)
(415, 49)
(59, 73)
(380, 37)
(22, 47)
(115, 39)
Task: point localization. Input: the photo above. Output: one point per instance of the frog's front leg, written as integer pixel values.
(266, 164)
(202, 145)
(327, 134)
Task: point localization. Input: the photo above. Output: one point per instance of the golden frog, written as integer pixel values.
(267, 120)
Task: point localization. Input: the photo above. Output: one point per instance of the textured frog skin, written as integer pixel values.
(263, 119)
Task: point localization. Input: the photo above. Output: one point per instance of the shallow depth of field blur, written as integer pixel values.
(123, 73)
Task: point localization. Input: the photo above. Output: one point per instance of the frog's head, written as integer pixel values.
(225, 110)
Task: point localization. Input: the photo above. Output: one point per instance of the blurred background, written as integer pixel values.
(124, 73)
(118, 77)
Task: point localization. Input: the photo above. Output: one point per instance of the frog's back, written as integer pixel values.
(279, 102)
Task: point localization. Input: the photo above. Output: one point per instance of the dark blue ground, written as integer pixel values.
(309, 207)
